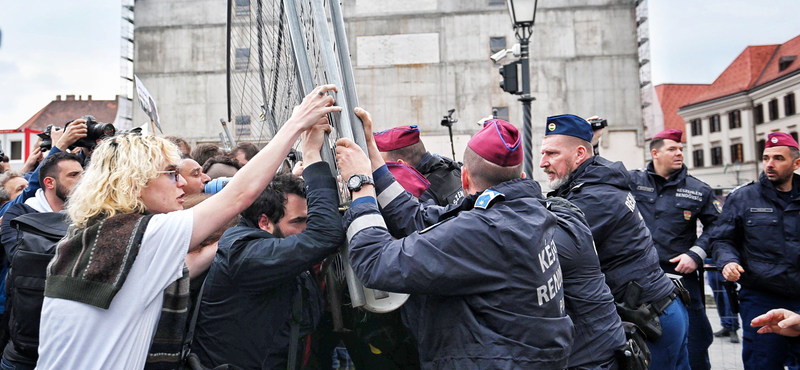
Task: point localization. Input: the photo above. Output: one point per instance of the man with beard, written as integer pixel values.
(261, 296)
(58, 175)
(757, 243)
(628, 258)
(671, 202)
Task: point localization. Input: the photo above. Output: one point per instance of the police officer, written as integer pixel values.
(671, 201)
(628, 258)
(402, 145)
(484, 284)
(757, 243)
(598, 328)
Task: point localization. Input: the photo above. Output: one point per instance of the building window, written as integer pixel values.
(496, 44)
(698, 158)
(761, 144)
(500, 113)
(242, 125)
(242, 60)
(737, 153)
(758, 114)
(697, 127)
(16, 150)
(735, 119)
(497, 2)
(785, 62)
(713, 123)
(788, 104)
(794, 135)
(716, 156)
(242, 8)
(773, 109)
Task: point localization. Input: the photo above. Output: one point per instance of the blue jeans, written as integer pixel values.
(8, 365)
(765, 351)
(670, 352)
(700, 333)
(727, 318)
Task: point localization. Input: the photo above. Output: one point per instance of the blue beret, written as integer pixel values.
(569, 124)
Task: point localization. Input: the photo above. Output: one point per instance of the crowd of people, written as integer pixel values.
(117, 257)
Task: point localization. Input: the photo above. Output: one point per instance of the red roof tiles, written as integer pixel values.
(59, 112)
(787, 50)
(741, 75)
(673, 96)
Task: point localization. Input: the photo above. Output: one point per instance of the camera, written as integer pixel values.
(94, 131)
(498, 56)
(47, 140)
(598, 124)
(448, 120)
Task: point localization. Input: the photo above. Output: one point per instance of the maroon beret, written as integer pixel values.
(396, 138)
(409, 178)
(672, 134)
(781, 139)
(498, 142)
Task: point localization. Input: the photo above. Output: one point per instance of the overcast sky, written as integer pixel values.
(54, 47)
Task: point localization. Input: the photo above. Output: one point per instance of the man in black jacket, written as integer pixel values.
(261, 296)
(58, 174)
(671, 202)
(601, 189)
(757, 243)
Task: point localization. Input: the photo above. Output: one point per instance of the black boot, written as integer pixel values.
(723, 333)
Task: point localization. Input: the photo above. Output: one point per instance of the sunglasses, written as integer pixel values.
(173, 174)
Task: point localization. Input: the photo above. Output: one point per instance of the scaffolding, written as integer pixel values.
(124, 119)
(652, 119)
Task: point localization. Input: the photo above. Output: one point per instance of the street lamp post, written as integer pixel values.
(737, 167)
(523, 15)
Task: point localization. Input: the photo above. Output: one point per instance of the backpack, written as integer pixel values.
(37, 237)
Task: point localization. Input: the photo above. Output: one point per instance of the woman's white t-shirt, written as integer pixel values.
(75, 335)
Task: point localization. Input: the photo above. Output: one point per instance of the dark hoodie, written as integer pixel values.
(601, 189)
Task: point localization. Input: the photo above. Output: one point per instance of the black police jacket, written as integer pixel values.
(485, 284)
(761, 232)
(445, 177)
(671, 208)
(598, 328)
(601, 189)
(246, 308)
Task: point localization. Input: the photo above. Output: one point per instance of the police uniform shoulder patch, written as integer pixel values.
(488, 198)
(717, 206)
(429, 228)
(741, 186)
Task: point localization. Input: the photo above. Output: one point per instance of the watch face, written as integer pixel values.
(353, 182)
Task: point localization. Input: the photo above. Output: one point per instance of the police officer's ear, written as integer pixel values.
(465, 180)
(796, 164)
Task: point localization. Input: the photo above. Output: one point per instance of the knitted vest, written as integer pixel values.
(91, 265)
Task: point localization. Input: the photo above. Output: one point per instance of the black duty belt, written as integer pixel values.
(661, 305)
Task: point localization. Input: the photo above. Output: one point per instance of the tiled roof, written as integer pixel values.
(673, 96)
(785, 52)
(59, 112)
(741, 75)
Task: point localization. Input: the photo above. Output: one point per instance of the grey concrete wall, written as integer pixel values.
(180, 50)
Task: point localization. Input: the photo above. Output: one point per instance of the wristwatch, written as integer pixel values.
(355, 182)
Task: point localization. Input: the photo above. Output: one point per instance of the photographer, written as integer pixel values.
(75, 131)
